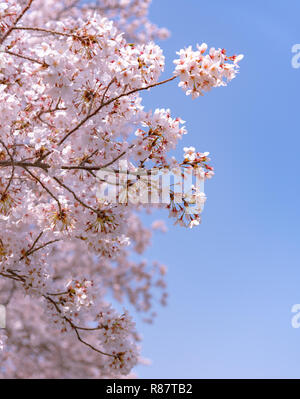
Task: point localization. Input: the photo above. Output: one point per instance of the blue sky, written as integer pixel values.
(234, 279)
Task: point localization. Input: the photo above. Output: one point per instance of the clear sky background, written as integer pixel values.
(234, 279)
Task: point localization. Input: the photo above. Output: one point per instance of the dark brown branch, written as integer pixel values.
(12, 171)
(25, 57)
(47, 31)
(33, 245)
(82, 122)
(45, 188)
(75, 196)
(75, 328)
(14, 276)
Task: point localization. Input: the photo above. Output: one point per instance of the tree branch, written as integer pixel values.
(104, 104)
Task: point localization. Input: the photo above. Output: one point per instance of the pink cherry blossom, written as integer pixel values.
(71, 79)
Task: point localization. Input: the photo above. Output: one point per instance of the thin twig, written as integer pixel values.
(75, 196)
(45, 188)
(75, 328)
(12, 171)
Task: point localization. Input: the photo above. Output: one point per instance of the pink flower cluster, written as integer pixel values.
(199, 72)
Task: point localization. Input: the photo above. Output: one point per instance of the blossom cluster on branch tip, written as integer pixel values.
(71, 79)
(199, 72)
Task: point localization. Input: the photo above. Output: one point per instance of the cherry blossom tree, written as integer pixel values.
(71, 80)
